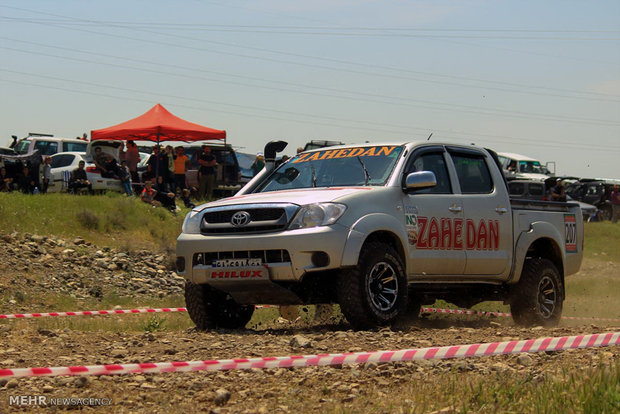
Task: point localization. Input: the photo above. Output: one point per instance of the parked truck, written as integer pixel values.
(379, 229)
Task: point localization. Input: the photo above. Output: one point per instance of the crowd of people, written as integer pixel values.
(28, 178)
(162, 183)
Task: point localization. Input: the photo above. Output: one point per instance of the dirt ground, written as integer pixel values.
(349, 388)
(423, 386)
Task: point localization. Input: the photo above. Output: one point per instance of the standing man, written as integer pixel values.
(170, 156)
(206, 173)
(180, 166)
(46, 173)
(615, 204)
(158, 164)
(133, 158)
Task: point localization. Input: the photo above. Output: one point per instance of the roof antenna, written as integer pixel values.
(429, 137)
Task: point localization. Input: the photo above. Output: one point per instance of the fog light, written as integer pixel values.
(180, 263)
(320, 259)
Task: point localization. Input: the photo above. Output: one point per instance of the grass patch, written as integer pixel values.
(602, 241)
(107, 220)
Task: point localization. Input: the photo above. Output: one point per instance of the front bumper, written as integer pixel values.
(300, 244)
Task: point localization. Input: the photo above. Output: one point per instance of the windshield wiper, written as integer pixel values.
(313, 174)
(366, 175)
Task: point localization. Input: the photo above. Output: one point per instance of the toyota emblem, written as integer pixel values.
(240, 219)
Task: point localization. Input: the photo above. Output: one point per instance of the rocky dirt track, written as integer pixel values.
(397, 387)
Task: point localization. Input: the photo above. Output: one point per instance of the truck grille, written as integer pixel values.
(267, 256)
(261, 218)
(256, 214)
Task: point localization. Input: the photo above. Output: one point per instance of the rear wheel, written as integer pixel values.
(209, 308)
(538, 297)
(375, 292)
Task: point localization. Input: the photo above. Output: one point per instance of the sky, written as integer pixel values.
(535, 78)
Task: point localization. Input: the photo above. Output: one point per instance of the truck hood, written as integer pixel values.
(299, 196)
(531, 176)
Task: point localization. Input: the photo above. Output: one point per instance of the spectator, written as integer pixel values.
(148, 194)
(615, 204)
(181, 162)
(185, 196)
(78, 179)
(258, 164)
(25, 182)
(206, 173)
(133, 158)
(300, 149)
(558, 193)
(164, 195)
(158, 164)
(100, 160)
(46, 174)
(111, 167)
(122, 154)
(6, 182)
(85, 136)
(125, 176)
(512, 167)
(170, 156)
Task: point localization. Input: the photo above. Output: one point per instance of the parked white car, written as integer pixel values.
(65, 162)
(49, 144)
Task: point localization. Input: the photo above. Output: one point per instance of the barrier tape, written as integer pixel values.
(169, 310)
(444, 352)
(91, 313)
(504, 314)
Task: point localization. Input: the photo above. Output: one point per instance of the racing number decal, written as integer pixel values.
(570, 233)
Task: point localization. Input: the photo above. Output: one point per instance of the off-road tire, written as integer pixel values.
(538, 297)
(358, 303)
(210, 309)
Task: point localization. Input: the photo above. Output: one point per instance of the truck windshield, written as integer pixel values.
(357, 166)
(531, 167)
(22, 146)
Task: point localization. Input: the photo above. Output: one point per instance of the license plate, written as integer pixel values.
(237, 262)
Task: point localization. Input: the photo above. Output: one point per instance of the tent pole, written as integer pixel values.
(157, 159)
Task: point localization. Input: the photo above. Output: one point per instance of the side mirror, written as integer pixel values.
(420, 180)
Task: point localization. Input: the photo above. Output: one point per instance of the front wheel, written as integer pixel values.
(209, 308)
(375, 292)
(538, 297)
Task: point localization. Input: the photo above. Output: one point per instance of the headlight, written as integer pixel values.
(320, 214)
(191, 224)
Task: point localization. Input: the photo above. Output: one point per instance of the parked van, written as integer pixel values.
(48, 144)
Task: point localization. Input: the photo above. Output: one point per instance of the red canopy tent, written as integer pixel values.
(158, 125)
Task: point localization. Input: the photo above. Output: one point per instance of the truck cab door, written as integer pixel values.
(433, 218)
(487, 230)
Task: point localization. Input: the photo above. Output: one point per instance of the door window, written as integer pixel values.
(473, 173)
(74, 146)
(62, 160)
(435, 162)
(46, 147)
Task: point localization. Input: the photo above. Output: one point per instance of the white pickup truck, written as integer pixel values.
(379, 229)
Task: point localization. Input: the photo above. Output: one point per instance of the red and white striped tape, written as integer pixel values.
(504, 314)
(169, 310)
(444, 352)
(464, 312)
(90, 313)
